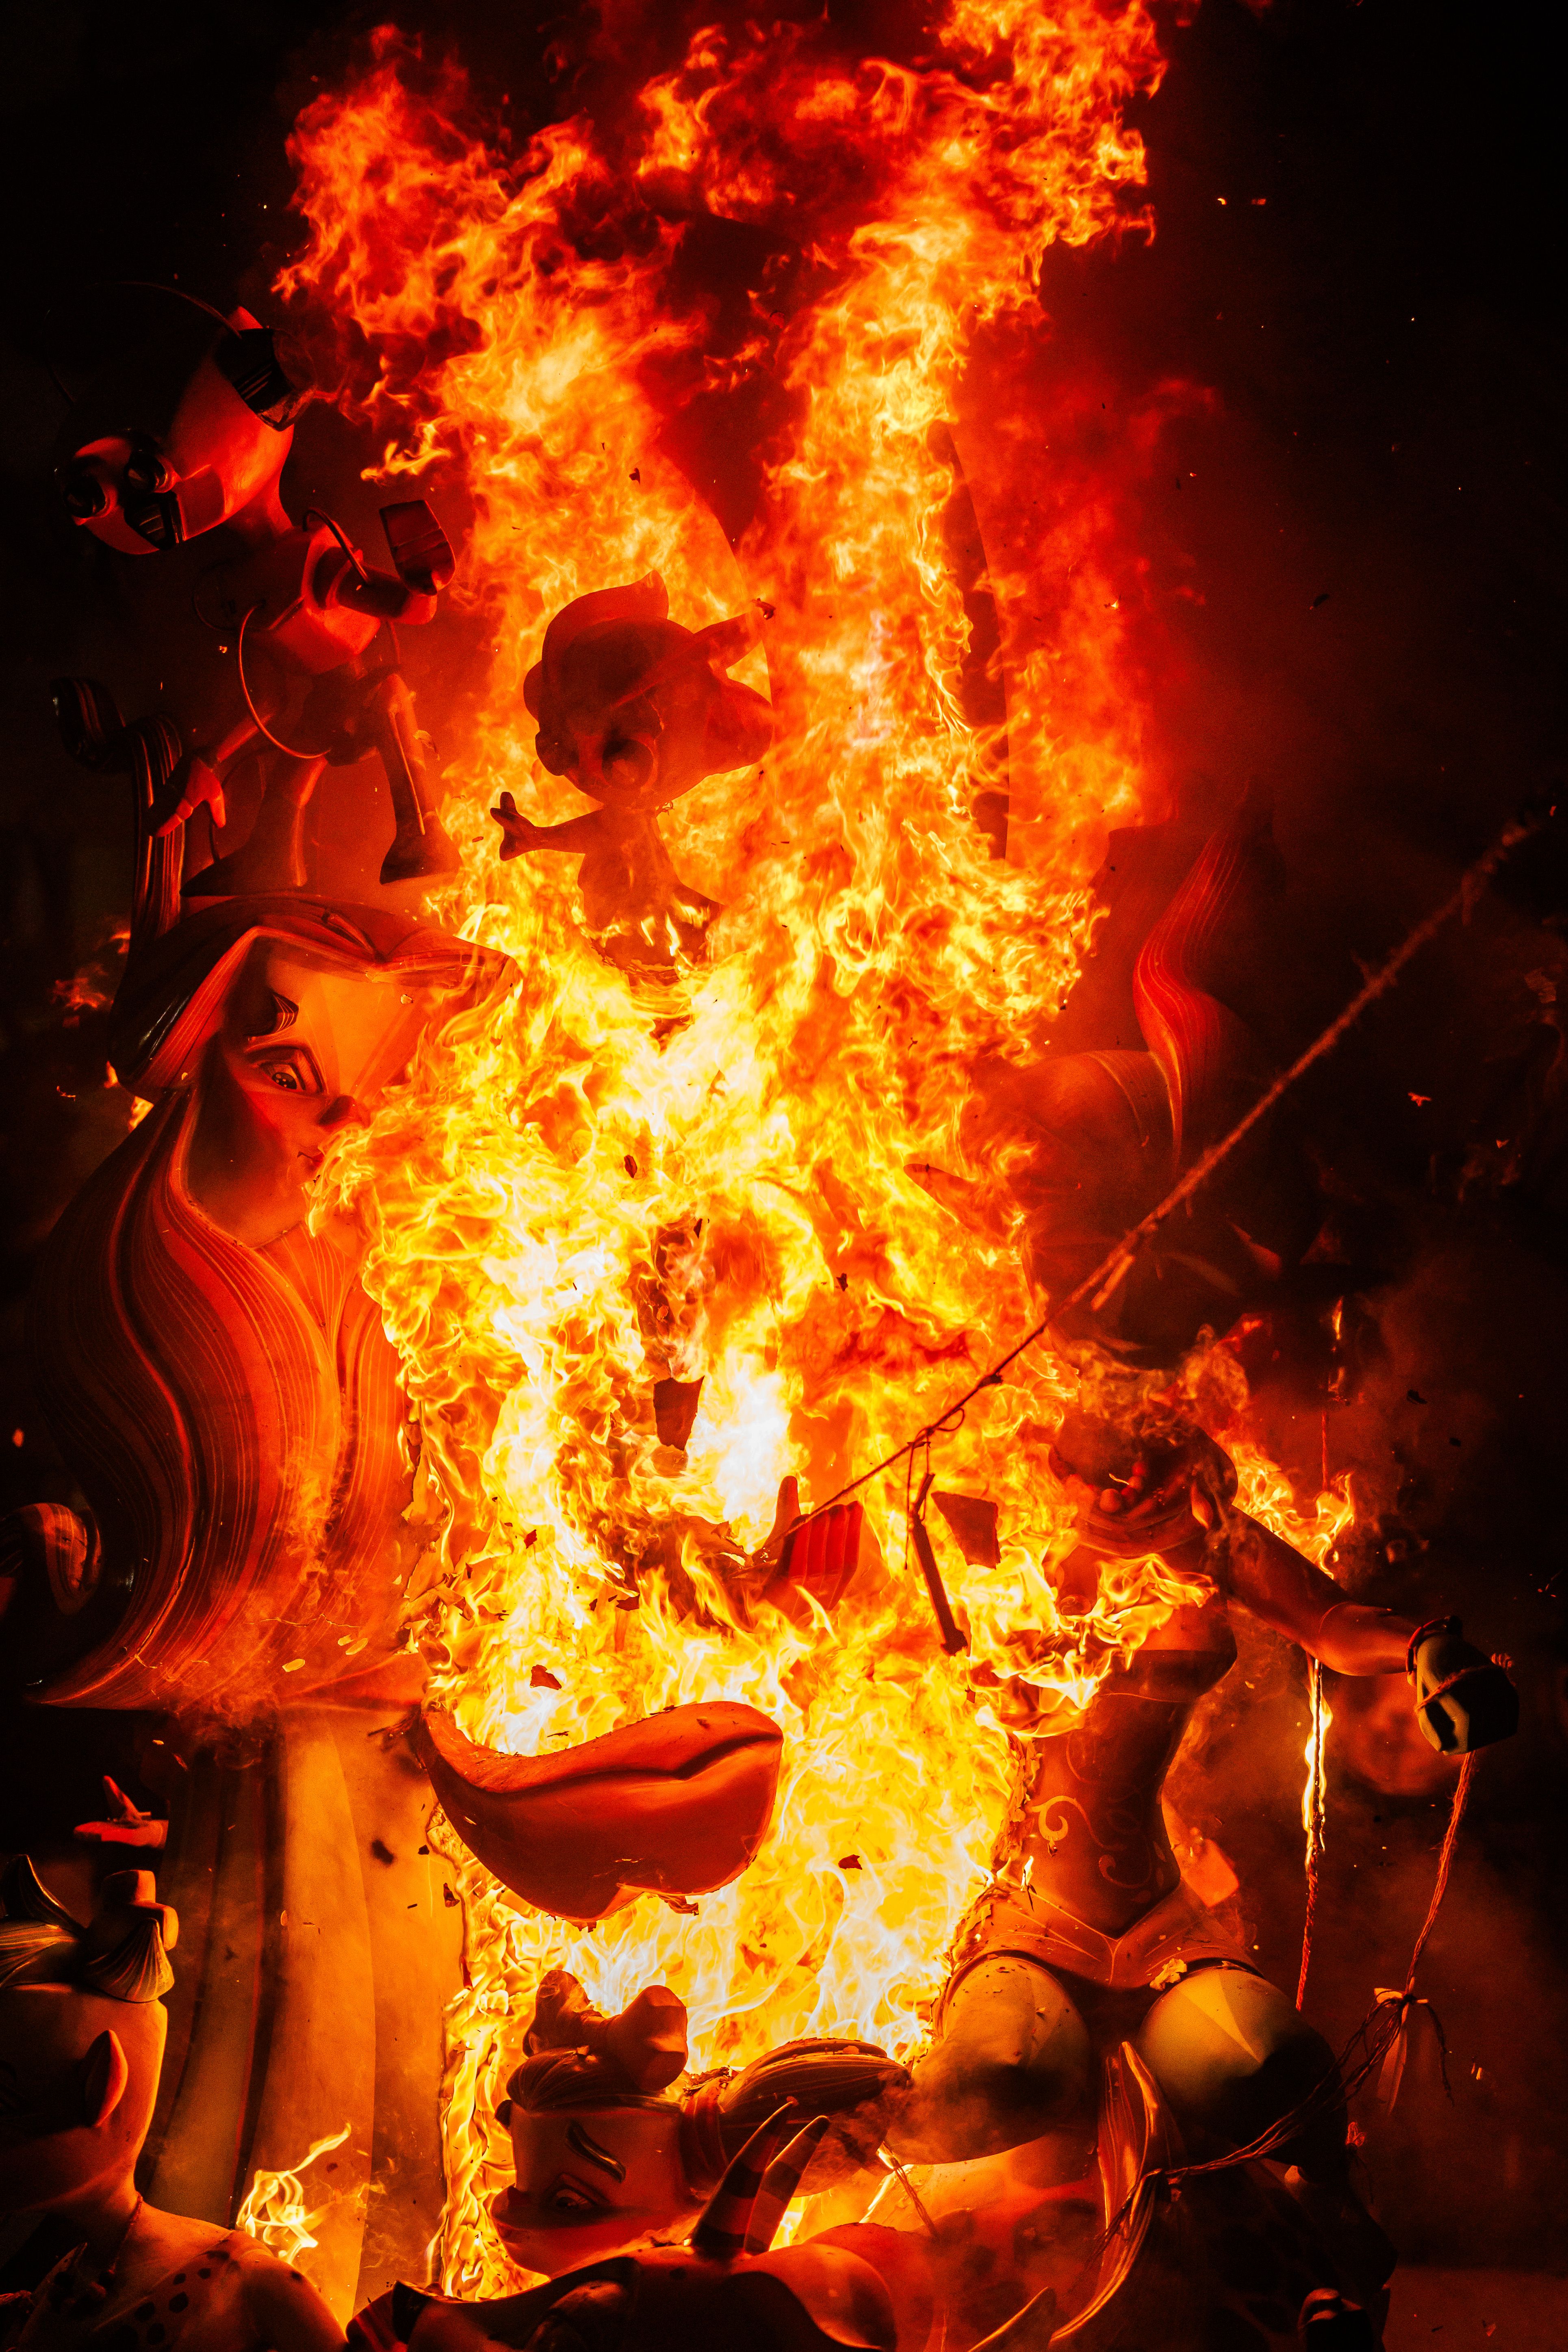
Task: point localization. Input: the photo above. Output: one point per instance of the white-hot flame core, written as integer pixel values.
(596, 1186)
(274, 2207)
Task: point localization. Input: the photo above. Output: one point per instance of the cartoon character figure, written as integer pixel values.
(607, 2157)
(82, 2029)
(636, 709)
(653, 2213)
(183, 427)
(1090, 1929)
(214, 1369)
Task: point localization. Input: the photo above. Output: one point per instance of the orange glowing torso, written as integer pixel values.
(1096, 1842)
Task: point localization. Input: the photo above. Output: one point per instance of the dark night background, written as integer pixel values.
(1353, 594)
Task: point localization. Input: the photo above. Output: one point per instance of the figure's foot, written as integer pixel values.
(419, 855)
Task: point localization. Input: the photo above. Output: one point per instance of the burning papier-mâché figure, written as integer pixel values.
(82, 2029)
(635, 710)
(181, 426)
(213, 1368)
(1151, 1065)
(607, 2153)
(653, 2209)
(1090, 1938)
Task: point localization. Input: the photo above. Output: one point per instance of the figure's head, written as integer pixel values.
(306, 1044)
(82, 2037)
(637, 709)
(598, 2164)
(602, 2162)
(183, 424)
(285, 1020)
(178, 1358)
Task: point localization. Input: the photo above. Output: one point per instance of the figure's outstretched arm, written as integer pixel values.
(1176, 1499)
(1464, 1700)
(1273, 1579)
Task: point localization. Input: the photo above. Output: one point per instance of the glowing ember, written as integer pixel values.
(1315, 1794)
(735, 1177)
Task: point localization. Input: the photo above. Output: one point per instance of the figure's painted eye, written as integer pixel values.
(293, 1070)
(567, 2197)
(628, 763)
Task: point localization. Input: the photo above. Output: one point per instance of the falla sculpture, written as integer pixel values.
(636, 709)
(606, 2151)
(652, 2208)
(212, 1369)
(223, 1394)
(180, 427)
(676, 1804)
(1155, 1063)
(82, 2029)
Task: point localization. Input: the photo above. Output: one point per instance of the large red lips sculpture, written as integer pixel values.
(675, 1805)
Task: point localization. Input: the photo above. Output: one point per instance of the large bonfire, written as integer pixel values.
(752, 1175)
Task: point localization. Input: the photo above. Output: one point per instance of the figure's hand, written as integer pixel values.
(819, 1556)
(1464, 1700)
(517, 832)
(126, 1826)
(194, 782)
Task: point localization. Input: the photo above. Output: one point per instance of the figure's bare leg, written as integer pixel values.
(1232, 2057)
(1012, 2062)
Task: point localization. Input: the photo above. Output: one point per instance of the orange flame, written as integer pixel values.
(274, 2207)
(733, 1177)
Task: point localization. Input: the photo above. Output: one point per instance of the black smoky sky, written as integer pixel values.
(1357, 260)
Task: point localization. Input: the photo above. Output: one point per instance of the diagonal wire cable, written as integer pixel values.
(1096, 1285)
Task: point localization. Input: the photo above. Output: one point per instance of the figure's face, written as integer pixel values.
(590, 2179)
(204, 460)
(622, 758)
(56, 2070)
(305, 1049)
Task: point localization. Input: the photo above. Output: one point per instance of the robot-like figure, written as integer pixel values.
(184, 427)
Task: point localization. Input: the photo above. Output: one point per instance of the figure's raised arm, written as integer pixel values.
(1175, 1495)
(1463, 1699)
(1287, 1591)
